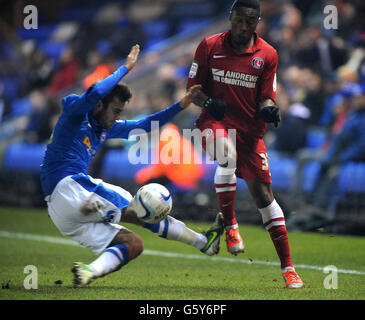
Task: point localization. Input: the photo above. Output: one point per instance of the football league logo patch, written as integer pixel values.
(257, 63)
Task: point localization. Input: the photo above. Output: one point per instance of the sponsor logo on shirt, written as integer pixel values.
(193, 70)
(90, 150)
(235, 78)
(257, 63)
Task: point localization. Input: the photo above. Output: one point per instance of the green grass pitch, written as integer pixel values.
(168, 270)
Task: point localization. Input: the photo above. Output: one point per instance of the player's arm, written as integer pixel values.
(122, 129)
(98, 91)
(268, 110)
(199, 73)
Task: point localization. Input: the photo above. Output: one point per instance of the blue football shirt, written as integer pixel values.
(77, 136)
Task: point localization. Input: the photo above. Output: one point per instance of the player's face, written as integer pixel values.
(243, 24)
(111, 113)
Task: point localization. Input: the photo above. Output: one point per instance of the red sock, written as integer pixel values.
(279, 237)
(226, 205)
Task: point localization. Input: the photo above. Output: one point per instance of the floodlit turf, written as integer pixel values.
(189, 275)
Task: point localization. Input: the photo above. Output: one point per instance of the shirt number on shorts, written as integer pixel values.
(265, 161)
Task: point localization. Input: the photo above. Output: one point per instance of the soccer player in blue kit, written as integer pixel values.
(88, 210)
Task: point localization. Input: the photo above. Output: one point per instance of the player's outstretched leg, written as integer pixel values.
(124, 247)
(173, 229)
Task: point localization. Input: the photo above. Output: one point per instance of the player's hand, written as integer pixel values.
(216, 108)
(190, 96)
(271, 114)
(132, 57)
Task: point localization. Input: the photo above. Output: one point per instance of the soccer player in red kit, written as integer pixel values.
(237, 71)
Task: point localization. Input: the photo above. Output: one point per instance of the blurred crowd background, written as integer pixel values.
(316, 156)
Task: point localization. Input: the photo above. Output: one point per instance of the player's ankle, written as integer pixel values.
(231, 226)
(287, 268)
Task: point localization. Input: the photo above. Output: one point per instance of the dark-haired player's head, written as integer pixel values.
(244, 17)
(109, 109)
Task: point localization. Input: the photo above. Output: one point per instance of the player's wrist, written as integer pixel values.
(181, 104)
(124, 66)
(207, 102)
(200, 98)
(271, 114)
(215, 107)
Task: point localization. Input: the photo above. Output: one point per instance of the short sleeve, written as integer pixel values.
(268, 79)
(199, 68)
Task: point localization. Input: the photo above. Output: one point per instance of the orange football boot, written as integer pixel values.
(234, 241)
(292, 280)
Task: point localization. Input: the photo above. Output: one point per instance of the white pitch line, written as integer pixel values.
(63, 241)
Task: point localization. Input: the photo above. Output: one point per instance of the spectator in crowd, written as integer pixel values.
(347, 146)
(183, 171)
(42, 118)
(340, 106)
(66, 74)
(291, 136)
(40, 70)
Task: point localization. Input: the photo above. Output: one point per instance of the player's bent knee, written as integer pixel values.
(135, 246)
(131, 240)
(263, 199)
(223, 150)
(261, 193)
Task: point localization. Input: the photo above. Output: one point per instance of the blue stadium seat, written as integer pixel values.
(43, 32)
(11, 87)
(104, 46)
(309, 176)
(283, 172)
(122, 22)
(23, 156)
(241, 184)
(21, 107)
(195, 9)
(352, 178)
(117, 165)
(152, 43)
(192, 24)
(157, 28)
(52, 49)
(316, 139)
(79, 14)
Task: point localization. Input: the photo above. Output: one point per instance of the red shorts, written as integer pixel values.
(252, 159)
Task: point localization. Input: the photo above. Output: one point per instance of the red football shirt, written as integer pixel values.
(241, 80)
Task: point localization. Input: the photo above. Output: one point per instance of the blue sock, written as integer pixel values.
(173, 229)
(160, 228)
(112, 259)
